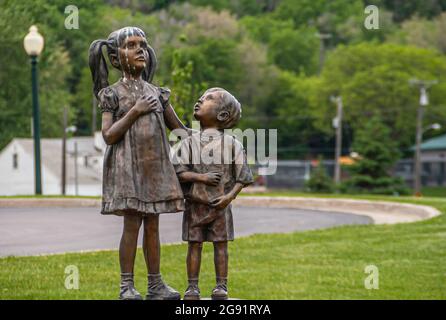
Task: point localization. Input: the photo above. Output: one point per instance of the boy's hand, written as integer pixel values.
(211, 178)
(221, 202)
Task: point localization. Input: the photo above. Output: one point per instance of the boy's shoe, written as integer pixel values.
(127, 288)
(192, 292)
(220, 292)
(158, 290)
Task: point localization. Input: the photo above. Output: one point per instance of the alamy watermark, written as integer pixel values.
(72, 20)
(371, 282)
(371, 22)
(226, 147)
(72, 277)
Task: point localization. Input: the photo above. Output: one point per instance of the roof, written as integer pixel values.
(51, 152)
(437, 143)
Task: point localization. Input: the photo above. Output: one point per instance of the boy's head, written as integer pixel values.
(217, 108)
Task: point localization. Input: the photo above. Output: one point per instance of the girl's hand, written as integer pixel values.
(145, 105)
(211, 178)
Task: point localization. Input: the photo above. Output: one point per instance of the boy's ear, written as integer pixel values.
(114, 61)
(222, 116)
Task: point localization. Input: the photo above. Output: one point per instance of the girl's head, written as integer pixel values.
(127, 50)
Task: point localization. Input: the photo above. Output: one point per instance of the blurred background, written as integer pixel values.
(347, 101)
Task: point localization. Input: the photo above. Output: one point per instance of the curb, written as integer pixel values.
(381, 212)
(49, 202)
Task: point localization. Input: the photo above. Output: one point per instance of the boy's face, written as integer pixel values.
(205, 110)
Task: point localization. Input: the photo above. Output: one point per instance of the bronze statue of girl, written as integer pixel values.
(139, 181)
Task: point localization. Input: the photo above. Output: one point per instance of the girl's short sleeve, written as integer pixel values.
(108, 100)
(164, 97)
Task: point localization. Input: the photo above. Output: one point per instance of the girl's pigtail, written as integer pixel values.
(149, 71)
(98, 66)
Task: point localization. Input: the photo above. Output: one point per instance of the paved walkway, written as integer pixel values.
(33, 231)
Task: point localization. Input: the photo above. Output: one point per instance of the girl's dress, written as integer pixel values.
(138, 176)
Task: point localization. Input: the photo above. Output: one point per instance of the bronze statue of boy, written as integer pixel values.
(213, 169)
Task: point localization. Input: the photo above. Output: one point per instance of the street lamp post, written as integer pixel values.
(64, 150)
(33, 44)
(323, 37)
(434, 126)
(337, 124)
(423, 85)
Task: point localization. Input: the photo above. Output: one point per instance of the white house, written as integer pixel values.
(17, 166)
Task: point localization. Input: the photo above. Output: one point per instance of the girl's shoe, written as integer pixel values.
(158, 290)
(127, 288)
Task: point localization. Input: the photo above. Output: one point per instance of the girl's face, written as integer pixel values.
(133, 55)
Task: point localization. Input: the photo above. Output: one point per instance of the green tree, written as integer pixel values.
(373, 80)
(289, 111)
(239, 7)
(184, 90)
(260, 28)
(422, 33)
(377, 152)
(295, 50)
(289, 48)
(307, 12)
(320, 181)
(54, 66)
(352, 30)
(83, 105)
(403, 10)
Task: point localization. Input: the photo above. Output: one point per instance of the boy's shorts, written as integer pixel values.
(203, 223)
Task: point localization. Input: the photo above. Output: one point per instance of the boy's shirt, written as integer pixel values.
(211, 151)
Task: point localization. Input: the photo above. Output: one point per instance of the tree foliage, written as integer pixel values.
(265, 52)
(406, 9)
(320, 181)
(374, 81)
(371, 172)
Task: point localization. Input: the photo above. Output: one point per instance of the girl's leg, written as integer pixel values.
(220, 292)
(127, 253)
(193, 263)
(157, 289)
(129, 242)
(151, 244)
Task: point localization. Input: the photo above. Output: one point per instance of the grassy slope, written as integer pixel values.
(323, 264)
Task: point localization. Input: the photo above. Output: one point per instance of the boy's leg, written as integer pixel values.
(193, 263)
(157, 289)
(221, 259)
(220, 292)
(194, 260)
(127, 253)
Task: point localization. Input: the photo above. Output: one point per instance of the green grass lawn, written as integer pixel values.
(323, 264)
(434, 192)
